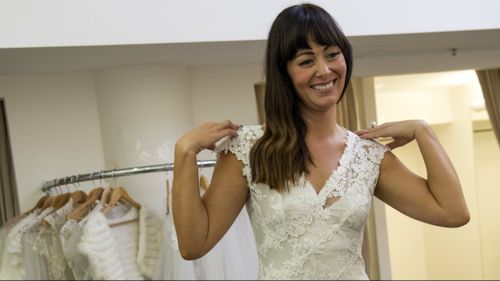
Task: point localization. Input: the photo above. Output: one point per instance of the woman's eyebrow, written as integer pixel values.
(310, 52)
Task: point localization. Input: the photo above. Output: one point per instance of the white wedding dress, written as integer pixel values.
(303, 235)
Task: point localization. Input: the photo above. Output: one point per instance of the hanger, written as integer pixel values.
(120, 194)
(60, 200)
(78, 197)
(38, 204)
(92, 197)
(48, 202)
(105, 195)
(204, 182)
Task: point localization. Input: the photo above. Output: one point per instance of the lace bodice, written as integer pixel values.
(301, 234)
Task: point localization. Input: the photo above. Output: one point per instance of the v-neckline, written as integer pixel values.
(335, 171)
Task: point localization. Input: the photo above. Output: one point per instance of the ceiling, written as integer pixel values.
(374, 55)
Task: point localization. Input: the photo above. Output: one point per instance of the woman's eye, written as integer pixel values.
(332, 55)
(305, 62)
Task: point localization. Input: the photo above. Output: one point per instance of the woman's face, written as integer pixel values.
(318, 75)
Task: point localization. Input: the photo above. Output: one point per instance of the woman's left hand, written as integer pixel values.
(402, 132)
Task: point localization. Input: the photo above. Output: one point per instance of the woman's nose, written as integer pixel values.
(322, 68)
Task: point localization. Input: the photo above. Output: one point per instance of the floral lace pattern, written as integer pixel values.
(300, 234)
(48, 243)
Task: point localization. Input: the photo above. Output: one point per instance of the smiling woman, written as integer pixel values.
(307, 182)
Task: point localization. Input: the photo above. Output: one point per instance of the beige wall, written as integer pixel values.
(70, 123)
(422, 251)
(405, 235)
(54, 128)
(224, 92)
(487, 168)
(143, 111)
(456, 253)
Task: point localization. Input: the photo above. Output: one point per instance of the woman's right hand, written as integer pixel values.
(205, 136)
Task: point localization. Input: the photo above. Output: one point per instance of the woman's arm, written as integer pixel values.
(438, 199)
(201, 222)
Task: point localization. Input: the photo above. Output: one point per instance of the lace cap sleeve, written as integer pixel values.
(241, 145)
(376, 152)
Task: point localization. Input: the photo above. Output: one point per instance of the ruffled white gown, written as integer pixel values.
(302, 234)
(233, 258)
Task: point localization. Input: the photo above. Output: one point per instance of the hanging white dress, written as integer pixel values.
(301, 234)
(235, 255)
(171, 265)
(70, 235)
(233, 258)
(124, 251)
(12, 265)
(48, 245)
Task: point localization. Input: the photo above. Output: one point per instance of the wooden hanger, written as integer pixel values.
(38, 204)
(60, 200)
(105, 195)
(204, 182)
(92, 197)
(78, 197)
(47, 202)
(120, 194)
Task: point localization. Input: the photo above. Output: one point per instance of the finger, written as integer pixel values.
(224, 124)
(226, 132)
(235, 126)
(361, 132)
(371, 134)
(392, 145)
(228, 124)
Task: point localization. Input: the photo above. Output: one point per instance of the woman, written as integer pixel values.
(308, 182)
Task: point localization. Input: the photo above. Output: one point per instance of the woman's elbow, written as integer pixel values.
(459, 219)
(189, 254)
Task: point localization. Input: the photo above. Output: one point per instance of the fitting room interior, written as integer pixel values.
(79, 109)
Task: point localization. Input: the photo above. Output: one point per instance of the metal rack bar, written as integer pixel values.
(47, 185)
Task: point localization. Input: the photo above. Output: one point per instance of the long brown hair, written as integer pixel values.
(279, 157)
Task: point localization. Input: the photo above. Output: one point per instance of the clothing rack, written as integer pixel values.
(47, 185)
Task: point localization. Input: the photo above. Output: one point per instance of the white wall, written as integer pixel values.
(405, 235)
(54, 129)
(144, 110)
(422, 251)
(409, 105)
(224, 92)
(65, 124)
(93, 22)
(487, 168)
(456, 253)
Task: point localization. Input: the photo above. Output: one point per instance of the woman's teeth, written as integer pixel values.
(323, 87)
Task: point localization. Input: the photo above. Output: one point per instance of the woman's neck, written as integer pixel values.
(321, 125)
